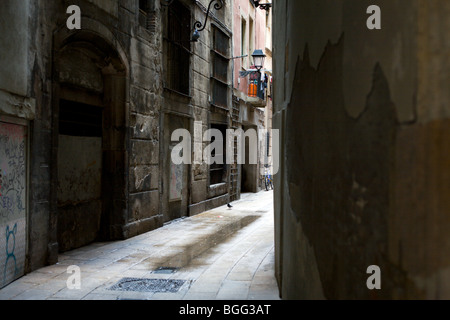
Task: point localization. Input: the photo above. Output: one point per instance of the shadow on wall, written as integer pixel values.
(339, 172)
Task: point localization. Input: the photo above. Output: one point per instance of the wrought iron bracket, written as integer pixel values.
(218, 4)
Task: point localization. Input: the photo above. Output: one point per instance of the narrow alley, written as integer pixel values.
(229, 256)
(128, 127)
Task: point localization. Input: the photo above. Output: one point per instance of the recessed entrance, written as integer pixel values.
(249, 173)
(79, 173)
(91, 158)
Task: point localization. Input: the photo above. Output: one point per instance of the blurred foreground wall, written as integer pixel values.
(365, 152)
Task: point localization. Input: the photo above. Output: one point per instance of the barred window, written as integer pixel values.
(220, 61)
(218, 172)
(220, 94)
(177, 48)
(147, 15)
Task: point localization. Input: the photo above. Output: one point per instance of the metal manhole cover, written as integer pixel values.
(148, 285)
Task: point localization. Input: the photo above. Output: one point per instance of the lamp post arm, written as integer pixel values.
(218, 4)
(244, 56)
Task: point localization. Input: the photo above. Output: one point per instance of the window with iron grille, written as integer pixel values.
(220, 62)
(218, 171)
(177, 48)
(147, 15)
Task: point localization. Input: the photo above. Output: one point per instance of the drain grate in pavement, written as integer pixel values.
(148, 285)
(165, 270)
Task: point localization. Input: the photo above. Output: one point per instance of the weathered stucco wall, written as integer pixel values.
(364, 165)
(14, 42)
(16, 61)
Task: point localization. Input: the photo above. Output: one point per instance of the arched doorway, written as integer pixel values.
(90, 130)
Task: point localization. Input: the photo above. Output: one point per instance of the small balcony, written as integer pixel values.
(257, 93)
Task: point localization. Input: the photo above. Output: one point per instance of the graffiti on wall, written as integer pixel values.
(12, 201)
(176, 181)
(10, 248)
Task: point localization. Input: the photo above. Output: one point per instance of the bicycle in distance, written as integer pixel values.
(268, 179)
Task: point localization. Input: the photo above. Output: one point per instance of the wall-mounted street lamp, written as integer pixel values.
(263, 6)
(258, 59)
(195, 36)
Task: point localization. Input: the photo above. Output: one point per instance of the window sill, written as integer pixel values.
(220, 107)
(176, 93)
(219, 80)
(217, 190)
(144, 33)
(220, 54)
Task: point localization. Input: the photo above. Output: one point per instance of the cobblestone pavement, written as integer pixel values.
(234, 263)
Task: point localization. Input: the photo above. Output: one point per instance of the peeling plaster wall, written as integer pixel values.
(365, 170)
(327, 20)
(16, 59)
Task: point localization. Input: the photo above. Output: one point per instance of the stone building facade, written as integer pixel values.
(89, 104)
(86, 118)
(252, 31)
(196, 97)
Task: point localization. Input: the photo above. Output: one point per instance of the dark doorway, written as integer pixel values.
(176, 191)
(80, 167)
(218, 171)
(249, 172)
(90, 129)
